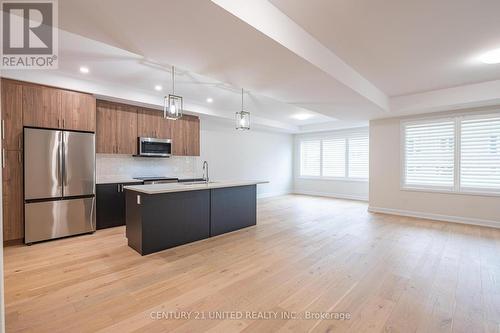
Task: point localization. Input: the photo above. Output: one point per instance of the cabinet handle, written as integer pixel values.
(3, 158)
(64, 123)
(3, 129)
(19, 157)
(20, 143)
(58, 122)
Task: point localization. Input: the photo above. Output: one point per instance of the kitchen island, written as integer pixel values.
(162, 216)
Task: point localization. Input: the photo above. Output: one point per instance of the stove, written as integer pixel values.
(157, 180)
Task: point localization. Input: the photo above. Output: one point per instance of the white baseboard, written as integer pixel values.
(272, 194)
(333, 195)
(437, 217)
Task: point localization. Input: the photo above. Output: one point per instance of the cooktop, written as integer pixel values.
(155, 178)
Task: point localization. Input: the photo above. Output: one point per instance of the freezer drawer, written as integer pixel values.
(42, 164)
(54, 219)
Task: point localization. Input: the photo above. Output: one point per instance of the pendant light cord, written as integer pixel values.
(173, 81)
(241, 99)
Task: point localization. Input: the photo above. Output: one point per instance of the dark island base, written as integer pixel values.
(162, 221)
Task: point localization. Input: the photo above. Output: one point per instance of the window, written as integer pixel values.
(480, 154)
(358, 157)
(334, 158)
(460, 154)
(310, 158)
(342, 157)
(429, 154)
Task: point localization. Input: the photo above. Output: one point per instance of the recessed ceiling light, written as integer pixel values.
(492, 57)
(302, 116)
(158, 87)
(84, 70)
(210, 100)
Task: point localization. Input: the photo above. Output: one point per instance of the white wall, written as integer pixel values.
(386, 195)
(252, 155)
(231, 154)
(348, 189)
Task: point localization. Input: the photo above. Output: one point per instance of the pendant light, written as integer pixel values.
(172, 104)
(242, 117)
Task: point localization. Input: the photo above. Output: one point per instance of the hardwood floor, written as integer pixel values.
(308, 256)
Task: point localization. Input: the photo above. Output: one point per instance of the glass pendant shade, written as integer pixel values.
(243, 120)
(242, 117)
(173, 104)
(172, 107)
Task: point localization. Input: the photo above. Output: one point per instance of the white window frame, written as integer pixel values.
(344, 136)
(456, 189)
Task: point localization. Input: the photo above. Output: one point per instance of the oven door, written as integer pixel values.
(154, 147)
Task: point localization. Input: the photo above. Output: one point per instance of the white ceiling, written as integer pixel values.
(404, 46)
(337, 61)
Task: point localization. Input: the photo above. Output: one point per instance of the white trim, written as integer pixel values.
(436, 217)
(480, 193)
(337, 179)
(272, 194)
(333, 195)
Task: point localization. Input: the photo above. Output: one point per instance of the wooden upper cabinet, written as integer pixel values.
(193, 136)
(126, 129)
(186, 136)
(12, 198)
(56, 108)
(149, 123)
(116, 128)
(12, 115)
(166, 128)
(104, 136)
(78, 111)
(41, 106)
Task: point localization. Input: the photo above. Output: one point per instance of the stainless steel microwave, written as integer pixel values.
(154, 147)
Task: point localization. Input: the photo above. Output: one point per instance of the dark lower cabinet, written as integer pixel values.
(232, 208)
(157, 222)
(110, 205)
(161, 221)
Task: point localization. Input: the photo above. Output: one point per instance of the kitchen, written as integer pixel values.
(62, 195)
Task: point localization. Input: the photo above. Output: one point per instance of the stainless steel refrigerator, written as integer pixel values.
(59, 183)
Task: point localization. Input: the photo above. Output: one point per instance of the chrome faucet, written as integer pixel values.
(205, 167)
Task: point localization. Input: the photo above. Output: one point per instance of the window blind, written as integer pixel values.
(358, 157)
(334, 157)
(310, 158)
(480, 153)
(429, 150)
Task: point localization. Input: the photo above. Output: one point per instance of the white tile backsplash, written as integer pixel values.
(126, 166)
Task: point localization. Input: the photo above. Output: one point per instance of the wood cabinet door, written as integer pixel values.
(78, 111)
(41, 106)
(12, 115)
(186, 136)
(105, 122)
(126, 129)
(166, 128)
(149, 123)
(116, 130)
(192, 139)
(178, 137)
(13, 225)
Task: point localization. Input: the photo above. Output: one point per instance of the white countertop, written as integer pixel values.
(180, 187)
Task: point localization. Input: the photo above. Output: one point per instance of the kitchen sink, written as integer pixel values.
(198, 182)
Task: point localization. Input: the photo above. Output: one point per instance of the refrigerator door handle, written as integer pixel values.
(63, 161)
(59, 162)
